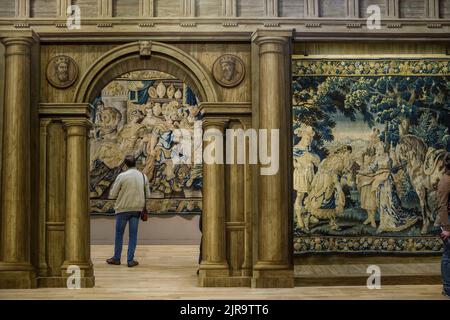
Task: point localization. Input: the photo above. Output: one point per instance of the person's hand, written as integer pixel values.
(445, 234)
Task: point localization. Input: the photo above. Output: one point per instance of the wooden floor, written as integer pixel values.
(169, 272)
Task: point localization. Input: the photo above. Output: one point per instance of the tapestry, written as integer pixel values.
(369, 139)
(139, 114)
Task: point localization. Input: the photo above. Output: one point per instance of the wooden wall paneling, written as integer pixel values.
(209, 8)
(207, 53)
(444, 9)
(43, 8)
(369, 48)
(167, 8)
(291, 8)
(89, 8)
(235, 220)
(56, 172)
(253, 8)
(7, 8)
(125, 8)
(364, 4)
(84, 56)
(412, 8)
(332, 8)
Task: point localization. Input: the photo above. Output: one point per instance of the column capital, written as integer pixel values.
(65, 110)
(263, 36)
(9, 37)
(215, 122)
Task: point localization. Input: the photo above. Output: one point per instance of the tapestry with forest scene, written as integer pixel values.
(369, 140)
(146, 114)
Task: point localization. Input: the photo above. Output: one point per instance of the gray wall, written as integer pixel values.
(157, 230)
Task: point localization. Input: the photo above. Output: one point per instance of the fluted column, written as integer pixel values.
(214, 264)
(16, 270)
(77, 235)
(274, 266)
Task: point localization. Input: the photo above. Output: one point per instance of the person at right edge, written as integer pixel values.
(444, 209)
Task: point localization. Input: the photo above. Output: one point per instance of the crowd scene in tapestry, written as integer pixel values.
(369, 142)
(137, 115)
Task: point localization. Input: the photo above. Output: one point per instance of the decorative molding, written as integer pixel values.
(22, 8)
(354, 25)
(272, 24)
(434, 25)
(394, 25)
(146, 25)
(352, 8)
(271, 8)
(105, 8)
(145, 48)
(230, 24)
(432, 9)
(313, 25)
(229, 8)
(105, 25)
(21, 25)
(146, 8)
(393, 9)
(311, 8)
(61, 8)
(188, 24)
(188, 8)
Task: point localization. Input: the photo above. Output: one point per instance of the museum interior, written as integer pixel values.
(347, 102)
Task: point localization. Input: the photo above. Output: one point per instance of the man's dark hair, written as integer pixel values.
(130, 161)
(447, 162)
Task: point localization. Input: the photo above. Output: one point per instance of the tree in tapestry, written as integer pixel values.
(369, 142)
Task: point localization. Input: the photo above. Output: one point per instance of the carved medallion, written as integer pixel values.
(62, 71)
(229, 70)
(145, 48)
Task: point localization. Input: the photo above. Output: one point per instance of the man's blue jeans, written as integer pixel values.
(445, 266)
(121, 223)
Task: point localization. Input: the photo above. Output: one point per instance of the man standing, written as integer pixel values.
(130, 190)
(444, 209)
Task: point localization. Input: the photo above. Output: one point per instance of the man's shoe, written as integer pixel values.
(132, 264)
(113, 261)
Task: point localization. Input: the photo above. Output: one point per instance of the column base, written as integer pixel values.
(273, 275)
(224, 281)
(17, 276)
(61, 282)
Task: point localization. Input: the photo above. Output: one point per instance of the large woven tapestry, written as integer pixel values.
(142, 113)
(369, 140)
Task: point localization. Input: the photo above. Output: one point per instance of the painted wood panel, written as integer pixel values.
(43, 8)
(208, 8)
(7, 8)
(167, 8)
(247, 8)
(332, 8)
(364, 4)
(125, 8)
(412, 8)
(444, 9)
(89, 8)
(291, 8)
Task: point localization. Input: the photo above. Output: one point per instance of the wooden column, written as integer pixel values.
(214, 266)
(274, 266)
(77, 224)
(432, 9)
(16, 270)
